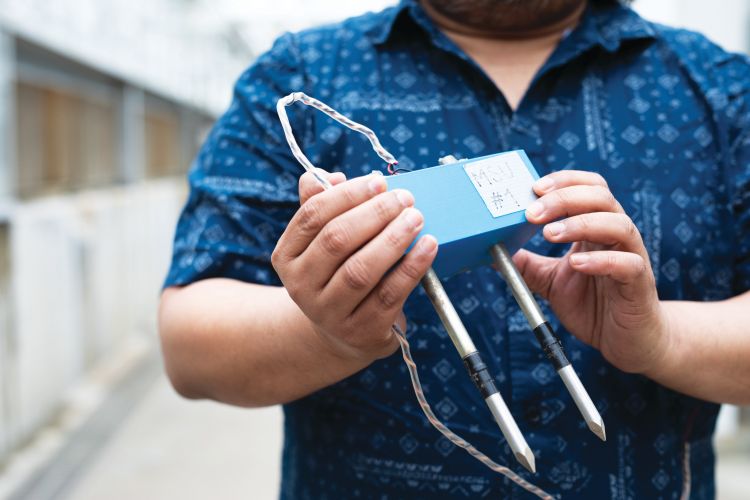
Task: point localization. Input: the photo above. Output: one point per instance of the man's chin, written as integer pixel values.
(505, 16)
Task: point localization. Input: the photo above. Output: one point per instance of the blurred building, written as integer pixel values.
(102, 106)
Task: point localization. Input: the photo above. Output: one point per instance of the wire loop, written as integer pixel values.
(281, 105)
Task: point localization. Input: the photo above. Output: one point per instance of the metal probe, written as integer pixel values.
(477, 369)
(547, 339)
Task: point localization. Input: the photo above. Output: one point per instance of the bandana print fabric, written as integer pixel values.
(661, 113)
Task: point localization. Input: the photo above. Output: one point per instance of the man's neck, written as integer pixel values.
(510, 59)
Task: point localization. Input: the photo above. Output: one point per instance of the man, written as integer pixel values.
(645, 134)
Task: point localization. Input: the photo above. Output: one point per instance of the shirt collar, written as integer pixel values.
(611, 26)
(605, 26)
(380, 33)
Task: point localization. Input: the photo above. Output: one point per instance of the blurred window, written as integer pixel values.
(163, 139)
(66, 140)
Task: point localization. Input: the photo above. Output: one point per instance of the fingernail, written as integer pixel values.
(535, 209)
(377, 185)
(579, 259)
(427, 244)
(405, 197)
(544, 184)
(413, 218)
(556, 228)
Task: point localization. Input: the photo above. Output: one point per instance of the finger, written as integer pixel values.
(401, 318)
(361, 272)
(570, 201)
(391, 293)
(309, 186)
(348, 232)
(623, 267)
(538, 271)
(604, 228)
(319, 209)
(565, 178)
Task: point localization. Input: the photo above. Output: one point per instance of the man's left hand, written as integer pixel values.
(603, 289)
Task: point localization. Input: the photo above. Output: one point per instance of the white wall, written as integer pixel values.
(86, 270)
(151, 43)
(5, 342)
(726, 22)
(6, 64)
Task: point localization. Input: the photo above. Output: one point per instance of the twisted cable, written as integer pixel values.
(449, 434)
(282, 103)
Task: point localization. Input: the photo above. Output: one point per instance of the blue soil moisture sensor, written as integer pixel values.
(470, 205)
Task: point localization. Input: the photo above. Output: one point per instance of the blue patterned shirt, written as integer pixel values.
(663, 114)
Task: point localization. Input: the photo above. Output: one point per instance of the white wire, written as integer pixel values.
(403, 342)
(281, 105)
(686, 476)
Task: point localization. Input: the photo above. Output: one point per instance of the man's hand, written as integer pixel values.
(337, 257)
(603, 290)
(342, 261)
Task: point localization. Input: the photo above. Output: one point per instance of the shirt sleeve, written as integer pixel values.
(243, 183)
(740, 200)
(737, 73)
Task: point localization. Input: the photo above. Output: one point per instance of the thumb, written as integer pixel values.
(537, 270)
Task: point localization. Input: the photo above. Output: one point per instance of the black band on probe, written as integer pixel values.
(480, 374)
(551, 345)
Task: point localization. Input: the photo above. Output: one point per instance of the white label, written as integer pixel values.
(504, 183)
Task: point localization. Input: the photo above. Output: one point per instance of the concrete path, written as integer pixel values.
(172, 448)
(168, 447)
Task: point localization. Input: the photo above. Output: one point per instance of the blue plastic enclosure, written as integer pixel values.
(470, 205)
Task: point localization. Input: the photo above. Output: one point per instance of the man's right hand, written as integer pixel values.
(336, 259)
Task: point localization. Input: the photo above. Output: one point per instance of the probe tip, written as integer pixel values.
(598, 428)
(583, 401)
(526, 458)
(511, 431)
